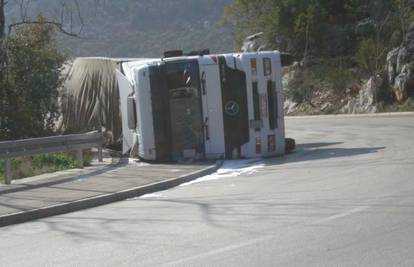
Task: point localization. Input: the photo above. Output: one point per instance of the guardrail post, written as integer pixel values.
(100, 156)
(100, 147)
(8, 174)
(79, 156)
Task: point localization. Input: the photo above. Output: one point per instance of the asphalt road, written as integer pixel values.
(346, 198)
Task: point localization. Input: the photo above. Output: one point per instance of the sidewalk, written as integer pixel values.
(68, 191)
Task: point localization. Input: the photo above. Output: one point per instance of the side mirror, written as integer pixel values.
(132, 113)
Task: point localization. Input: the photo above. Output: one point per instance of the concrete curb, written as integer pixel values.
(364, 115)
(25, 216)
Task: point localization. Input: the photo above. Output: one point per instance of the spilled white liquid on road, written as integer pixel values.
(137, 162)
(232, 168)
(153, 195)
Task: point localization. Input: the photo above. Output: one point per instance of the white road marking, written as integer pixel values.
(261, 239)
(341, 215)
(219, 251)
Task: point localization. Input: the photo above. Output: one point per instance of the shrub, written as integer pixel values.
(366, 56)
(302, 87)
(47, 163)
(338, 78)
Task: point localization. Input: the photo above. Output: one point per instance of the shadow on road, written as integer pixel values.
(230, 211)
(235, 212)
(314, 145)
(319, 151)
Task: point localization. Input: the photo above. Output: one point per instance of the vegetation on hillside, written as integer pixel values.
(327, 29)
(339, 44)
(131, 28)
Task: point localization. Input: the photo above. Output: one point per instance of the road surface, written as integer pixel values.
(346, 198)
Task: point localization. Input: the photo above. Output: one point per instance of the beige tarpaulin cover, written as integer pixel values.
(90, 98)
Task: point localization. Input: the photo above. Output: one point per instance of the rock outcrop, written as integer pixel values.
(400, 67)
(254, 43)
(392, 64)
(290, 106)
(365, 101)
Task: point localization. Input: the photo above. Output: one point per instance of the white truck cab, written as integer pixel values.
(203, 106)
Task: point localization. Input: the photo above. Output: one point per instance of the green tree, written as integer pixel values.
(30, 67)
(405, 15)
(30, 81)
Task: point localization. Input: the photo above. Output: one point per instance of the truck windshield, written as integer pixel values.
(183, 83)
(176, 105)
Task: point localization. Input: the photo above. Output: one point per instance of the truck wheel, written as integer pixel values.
(290, 145)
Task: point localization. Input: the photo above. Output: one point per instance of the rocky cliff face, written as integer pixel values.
(364, 96)
(254, 43)
(400, 66)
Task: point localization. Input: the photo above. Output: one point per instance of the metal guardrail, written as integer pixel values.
(44, 145)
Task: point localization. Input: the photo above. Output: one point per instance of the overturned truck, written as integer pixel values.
(197, 106)
(202, 106)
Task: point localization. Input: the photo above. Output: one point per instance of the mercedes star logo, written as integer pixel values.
(232, 108)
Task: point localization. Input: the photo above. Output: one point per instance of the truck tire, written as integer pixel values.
(290, 145)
